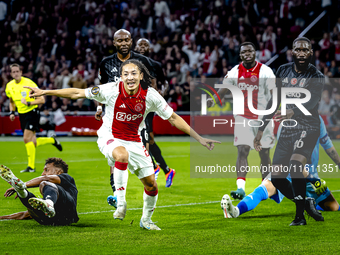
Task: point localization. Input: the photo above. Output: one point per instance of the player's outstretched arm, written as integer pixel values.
(179, 123)
(17, 216)
(69, 93)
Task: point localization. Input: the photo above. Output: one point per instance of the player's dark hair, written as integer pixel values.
(57, 162)
(302, 39)
(147, 77)
(14, 65)
(248, 43)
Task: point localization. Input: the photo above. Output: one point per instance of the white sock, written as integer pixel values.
(121, 179)
(22, 193)
(241, 184)
(49, 201)
(149, 206)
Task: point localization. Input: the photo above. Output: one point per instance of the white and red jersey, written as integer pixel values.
(260, 78)
(124, 114)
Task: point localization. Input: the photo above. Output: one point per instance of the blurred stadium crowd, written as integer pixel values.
(60, 43)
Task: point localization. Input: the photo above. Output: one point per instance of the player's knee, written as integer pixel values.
(243, 151)
(43, 184)
(333, 206)
(120, 154)
(151, 185)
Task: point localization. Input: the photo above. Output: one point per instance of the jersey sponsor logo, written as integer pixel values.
(23, 93)
(122, 116)
(294, 94)
(139, 107)
(242, 78)
(122, 106)
(95, 90)
(302, 82)
(109, 141)
(245, 86)
(253, 78)
(285, 80)
(293, 81)
(114, 70)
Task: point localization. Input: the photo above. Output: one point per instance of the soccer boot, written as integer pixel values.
(229, 210)
(57, 144)
(319, 187)
(238, 194)
(28, 170)
(148, 224)
(157, 172)
(112, 200)
(169, 177)
(120, 212)
(311, 209)
(298, 221)
(7, 175)
(43, 205)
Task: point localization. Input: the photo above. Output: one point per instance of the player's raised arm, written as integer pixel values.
(179, 123)
(69, 93)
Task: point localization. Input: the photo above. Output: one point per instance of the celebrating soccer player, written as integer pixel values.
(127, 103)
(300, 132)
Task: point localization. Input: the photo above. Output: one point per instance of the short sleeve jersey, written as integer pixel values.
(260, 79)
(16, 91)
(125, 113)
(310, 79)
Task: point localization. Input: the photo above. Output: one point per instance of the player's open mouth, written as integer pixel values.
(131, 84)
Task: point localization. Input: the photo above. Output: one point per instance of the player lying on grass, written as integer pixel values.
(322, 195)
(59, 191)
(127, 103)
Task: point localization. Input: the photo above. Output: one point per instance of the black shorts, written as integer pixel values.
(302, 143)
(148, 122)
(30, 120)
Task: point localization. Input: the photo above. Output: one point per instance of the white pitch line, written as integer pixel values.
(162, 206)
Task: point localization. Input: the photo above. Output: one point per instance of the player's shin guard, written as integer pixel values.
(253, 199)
(157, 154)
(121, 178)
(299, 186)
(30, 149)
(150, 200)
(50, 193)
(284, 186)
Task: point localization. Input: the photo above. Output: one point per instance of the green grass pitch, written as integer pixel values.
(188, 213)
